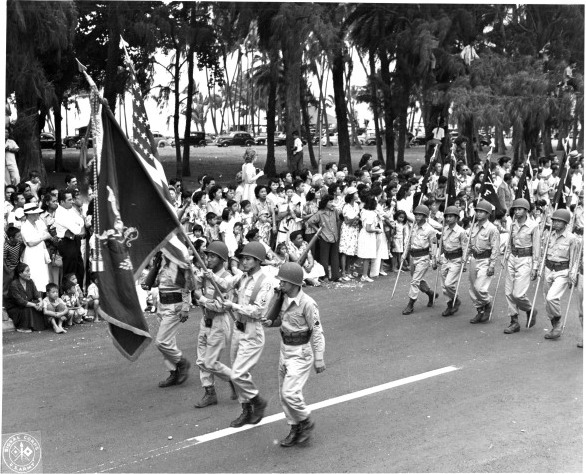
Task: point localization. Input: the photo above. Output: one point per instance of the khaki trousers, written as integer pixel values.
(419, 268)
(479, 282)
(245, 352)
(166, 340)
(518, 279)
(294, 367)
(210, 344)
(554, 287)
(450, 273)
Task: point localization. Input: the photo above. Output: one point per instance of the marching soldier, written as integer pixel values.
(175, 284)
(522, 257)
(454, 239)
(301, 331)
(253, 289)
(214, 328)
(484, 247)
(561, 260)
(422, 248)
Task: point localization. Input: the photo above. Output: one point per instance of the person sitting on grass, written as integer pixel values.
(23, 304)
(77, 312)
(55, 309)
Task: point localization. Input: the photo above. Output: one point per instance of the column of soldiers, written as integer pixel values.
(559, 252)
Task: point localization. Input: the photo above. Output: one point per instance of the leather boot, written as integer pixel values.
(244, 417)
(305, 429)
(448, 311)
(556, 330)
(514, 326)
(432, 297)
(233, 394)
(479, 315)
(486, 313)
(291, 438)
(456, 306)
(171, 380)
(182, 370)
(209, 398)
(258, 409)
(409, 307)
(534, 319)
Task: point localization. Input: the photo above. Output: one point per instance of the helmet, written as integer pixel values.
(453, 210)
(219, 248)
(292, 273)
(484, 206)
(522, 203)
(254, 249)
(562, 215)
(422, 209)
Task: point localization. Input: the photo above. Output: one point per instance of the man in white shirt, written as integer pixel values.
(69, 225)
(297, 158)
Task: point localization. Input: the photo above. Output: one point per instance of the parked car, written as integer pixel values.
(235, 138)
(418, 140)
(195, 139)
(333, 140)
(161, 140)
(260, 140)
(47, 140)
(280, 139)
(71, 140)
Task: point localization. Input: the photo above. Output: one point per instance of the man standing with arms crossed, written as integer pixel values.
(422, 248)
(484, 246)
(214, 329)
(454, 239)
(300, 328)
(253, 289)
(522, 257)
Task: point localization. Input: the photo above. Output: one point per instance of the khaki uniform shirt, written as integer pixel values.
(301, 314)
(422, 237)
(525, 236)
(564, 248)
(485, 237)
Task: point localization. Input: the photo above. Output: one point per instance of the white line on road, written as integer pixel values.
(190, 442)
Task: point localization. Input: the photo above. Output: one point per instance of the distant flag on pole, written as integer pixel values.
(488, 190)
(451, 184)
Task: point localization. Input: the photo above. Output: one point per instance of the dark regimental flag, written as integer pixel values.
(561, 193)
(451, 184)
(488, 189)
(523, 185)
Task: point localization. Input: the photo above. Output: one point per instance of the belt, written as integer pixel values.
(522, 252)
(419, 252)
(557, 266)
(170, 298)
(452, 255)
(296, 339)
(481, 255)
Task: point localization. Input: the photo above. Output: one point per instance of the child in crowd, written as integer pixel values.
(400, 230)
(212, 230)
(76, 311)
(197, 234)
(246, 216)
(227, 230)
(55, 309)
(264, 227)
(238, 235)
(93, 296)
(13, 248)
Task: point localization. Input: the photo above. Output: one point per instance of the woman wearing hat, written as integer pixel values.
(34, 233)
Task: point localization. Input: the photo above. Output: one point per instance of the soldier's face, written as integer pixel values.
(451, 219)
(558, 225)
(419, 218)
(481, 215)
(213, 260)
(287, 287)
(520, 213)
(249, 263)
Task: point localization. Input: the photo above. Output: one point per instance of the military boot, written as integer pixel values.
(448, 310)
(533, 319)
(291, 438)
(432, 297)
(233, 394)
(556, 330)
(244, 417)
(486, 313)
(514, 326)
(182, 370)
(305, 429)
(456, 306)
(479, 315)
(409, 308)
(171, 380)
(209, 398)
(258, 409)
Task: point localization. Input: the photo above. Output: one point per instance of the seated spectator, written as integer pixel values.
(93, 296)
(76, 312)
(54, 309)
(13, 248)
(23, 304)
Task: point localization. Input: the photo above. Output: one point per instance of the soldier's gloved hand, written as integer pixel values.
(533, 274)
(183, 316)
(490, 271)
(320, 366)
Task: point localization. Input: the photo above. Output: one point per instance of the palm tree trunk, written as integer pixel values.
(26, 134)
(185, 170)
(374, 104)
(114, 54)
(177, 70)
(306, 124)
(270, 168)
(402, 125)
(388, 111)
(341, 117)
(292, 58)
(58, 133)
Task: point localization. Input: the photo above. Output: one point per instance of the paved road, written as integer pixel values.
(513, 405)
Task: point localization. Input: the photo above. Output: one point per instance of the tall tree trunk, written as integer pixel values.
(27, 135)
(186, 171)
(58, 132)
(292, 57)
(388, 111)
(374, 105)
(176, 72)
(403, 109)
(340, 105)
(270, 168)
(306, 125)
(114, 30)
(546, 134)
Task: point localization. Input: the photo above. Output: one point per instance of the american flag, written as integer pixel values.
(141, 133)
